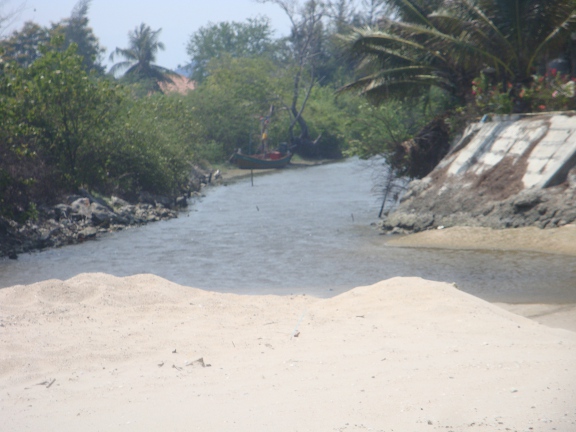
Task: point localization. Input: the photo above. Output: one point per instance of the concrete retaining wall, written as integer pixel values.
(506, 171)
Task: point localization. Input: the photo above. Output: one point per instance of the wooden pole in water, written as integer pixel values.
(252, 176)
(389, 181)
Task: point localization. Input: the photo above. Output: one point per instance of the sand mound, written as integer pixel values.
(98, 352)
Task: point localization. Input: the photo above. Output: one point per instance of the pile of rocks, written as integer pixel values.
(427, 205)
(507, 172)
(85, 216)
(81, 218)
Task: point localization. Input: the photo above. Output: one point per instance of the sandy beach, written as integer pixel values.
(101, 353)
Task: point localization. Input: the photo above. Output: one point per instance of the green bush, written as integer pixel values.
(543, 93)
(150, 146)
(63, 128)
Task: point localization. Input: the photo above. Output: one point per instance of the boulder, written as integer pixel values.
(101, 215)
(153, 199)
(409, 221)
(81, 209)
(118, 202)
(571, 178)
(527, 200)
(87, 233)
(94, 199)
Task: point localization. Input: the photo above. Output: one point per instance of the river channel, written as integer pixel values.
(299, 230)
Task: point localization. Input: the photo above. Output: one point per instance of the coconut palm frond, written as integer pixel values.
(458, 39)
(364, 42)
(398, 82)
(563, 27)
(119, 67)
(494, 31)
(455, 45)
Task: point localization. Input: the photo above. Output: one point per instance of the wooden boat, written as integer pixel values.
(268, 160)
(263, 159)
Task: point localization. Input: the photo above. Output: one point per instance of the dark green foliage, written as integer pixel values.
(64, 107)
(150, 147)
(229, 39)
(444, 45)
(63, 128)
(447, 43)
(23, 46)
(77, 31)
(53, 114)
(412, 134)
(228, 104)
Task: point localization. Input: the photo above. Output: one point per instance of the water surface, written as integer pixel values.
(295, 231)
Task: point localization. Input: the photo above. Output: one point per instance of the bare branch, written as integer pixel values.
(8, 18)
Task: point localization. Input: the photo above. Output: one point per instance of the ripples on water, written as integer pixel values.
(299, 230)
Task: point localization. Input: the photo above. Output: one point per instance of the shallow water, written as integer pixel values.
(295, 231)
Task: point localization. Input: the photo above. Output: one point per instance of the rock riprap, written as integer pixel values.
(508, 172)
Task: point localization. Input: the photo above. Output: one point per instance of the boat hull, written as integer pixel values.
(259, 162)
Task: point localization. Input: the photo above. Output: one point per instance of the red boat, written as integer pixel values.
(268, 160)
(263, 159)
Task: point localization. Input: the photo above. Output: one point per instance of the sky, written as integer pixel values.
(111, 20)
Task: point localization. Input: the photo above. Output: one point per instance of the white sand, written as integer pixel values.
(554, 241)
(402, 355)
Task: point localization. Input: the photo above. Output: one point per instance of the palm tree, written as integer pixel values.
(140, 56)
(446, 43)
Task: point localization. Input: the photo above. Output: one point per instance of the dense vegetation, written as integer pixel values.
(424, 67)
(485, 56)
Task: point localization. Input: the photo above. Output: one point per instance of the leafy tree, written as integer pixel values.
(403, 132)
(366, 13)
(76, 31)
(19, 165)
(234, 39)
(23, 46)
(149, 146)
(139, 57)
(61, 127)
(373, 10)
(7, 17)
(306, 57)
(328, 118)
(61, 108)
(445, 44)
(53, 118)
(340, 13)
(230, 101)
(516, 36)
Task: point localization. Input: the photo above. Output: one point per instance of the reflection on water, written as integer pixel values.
(299, 230)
